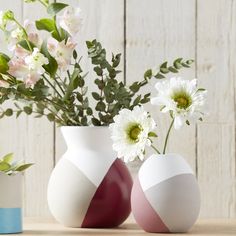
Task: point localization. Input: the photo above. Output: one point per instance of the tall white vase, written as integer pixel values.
(10, 203)
(165, 196)
(89, 186)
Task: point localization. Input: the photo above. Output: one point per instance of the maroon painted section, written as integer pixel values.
(110, 205)
(144, 214)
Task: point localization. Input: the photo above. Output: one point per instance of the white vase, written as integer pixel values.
(10, 203)
(89, 186)
(165, 196)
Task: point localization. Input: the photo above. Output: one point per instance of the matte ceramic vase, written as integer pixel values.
(165, 197)
(10, 203)
(89, 187)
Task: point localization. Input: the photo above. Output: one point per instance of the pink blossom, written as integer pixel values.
(61, 51)
(26, 66)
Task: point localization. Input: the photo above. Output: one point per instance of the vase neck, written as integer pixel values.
(93, 138)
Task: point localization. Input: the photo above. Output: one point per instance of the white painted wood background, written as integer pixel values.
(147, 33)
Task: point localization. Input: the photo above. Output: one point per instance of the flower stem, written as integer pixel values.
(158, 152)
(167, 136)
(52, 86)
(26, 35)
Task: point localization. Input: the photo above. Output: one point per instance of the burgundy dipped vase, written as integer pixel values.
(89, 187)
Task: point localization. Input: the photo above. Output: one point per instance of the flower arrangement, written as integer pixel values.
(44, 77)
(133, 130)
(9, 167)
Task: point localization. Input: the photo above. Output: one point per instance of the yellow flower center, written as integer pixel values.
(183, 100)
(133, 132)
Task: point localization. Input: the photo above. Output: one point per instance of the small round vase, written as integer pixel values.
(89, 187)
(11, 203)
(165, 197)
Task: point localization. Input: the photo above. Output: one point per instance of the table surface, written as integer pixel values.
(213, 227)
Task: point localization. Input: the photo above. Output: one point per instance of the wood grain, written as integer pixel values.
(216, 139)
(159, 31)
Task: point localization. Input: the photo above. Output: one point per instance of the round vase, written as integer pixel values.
(11, 203)
(89, 187)
(165, 197)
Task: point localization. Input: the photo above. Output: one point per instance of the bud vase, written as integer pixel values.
(165, 197)
(89, 187)
(11, 203)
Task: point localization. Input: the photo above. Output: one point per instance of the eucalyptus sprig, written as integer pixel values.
(46, 79)
(9, 167)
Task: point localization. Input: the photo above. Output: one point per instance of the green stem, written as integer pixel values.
(167, 136)
(26, 35)
(59, 86)
(52, 86)
(158, 152)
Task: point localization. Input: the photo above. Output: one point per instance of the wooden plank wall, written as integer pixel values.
(147, 33)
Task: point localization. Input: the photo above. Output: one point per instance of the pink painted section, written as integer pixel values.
(143, 212)
(110, 205)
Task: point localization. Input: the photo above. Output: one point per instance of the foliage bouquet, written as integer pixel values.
(44, 77)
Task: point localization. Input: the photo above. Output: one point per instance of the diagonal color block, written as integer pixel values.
(177, 201)
(144, 213)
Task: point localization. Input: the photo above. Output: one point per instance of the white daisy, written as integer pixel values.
(130, 133)
(182, 98)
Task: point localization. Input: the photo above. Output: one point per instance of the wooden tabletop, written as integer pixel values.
(36, 227)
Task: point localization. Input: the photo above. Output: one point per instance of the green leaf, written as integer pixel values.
(89, 111)
(201, 90)
(135, 87)
(177, 63)
(45, 24)
(137, 100)
(8, 158)
(101, 106)
(98, 70)
(54, 8)
(189, 62)
(4, 166)
(96, 122)
(79, 97)
(25, 45)
(148, 74)
(152, 134)
(159, 76)
(96, 96)
(75, 54)
(23, 167)
(3, 64)
(164, 70)
(50, 26)
(8, 112)
(164, 65)
(28, 110)
(52, 66)
(172, 69)
(51, 117)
